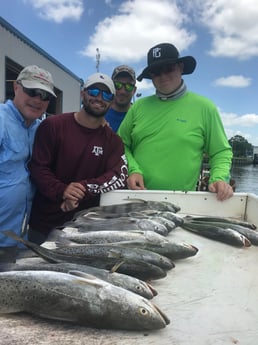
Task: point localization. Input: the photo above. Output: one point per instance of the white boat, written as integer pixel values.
(210, 299)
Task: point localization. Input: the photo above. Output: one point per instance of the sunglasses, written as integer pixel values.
(127, 86)
(106, 96)
(155, 72)
(44, 95)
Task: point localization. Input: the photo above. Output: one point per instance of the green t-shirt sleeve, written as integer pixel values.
(218, 149)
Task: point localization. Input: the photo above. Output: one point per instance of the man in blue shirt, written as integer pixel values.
(124, 80)
(19, 120)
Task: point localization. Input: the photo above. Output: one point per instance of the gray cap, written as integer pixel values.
(100, 78)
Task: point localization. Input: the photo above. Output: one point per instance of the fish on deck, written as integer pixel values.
(67, 235)
(86, 301)
(215, 232)
(246, 229)
(170, 249)
(124, 281)
(131, 206)
(118, 223)
(136, 268)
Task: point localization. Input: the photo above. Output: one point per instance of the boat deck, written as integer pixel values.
(211, 298)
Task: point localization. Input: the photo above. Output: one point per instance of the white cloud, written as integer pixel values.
(236, 81)
(58, 10)
(139, 24)
(233, 25)
(245, 125)
(246, 120)
(252, 139)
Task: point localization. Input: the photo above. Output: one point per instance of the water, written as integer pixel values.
(246, 177)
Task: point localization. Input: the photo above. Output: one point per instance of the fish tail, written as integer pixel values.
(13, 235)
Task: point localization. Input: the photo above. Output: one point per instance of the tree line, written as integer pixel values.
(240, 146)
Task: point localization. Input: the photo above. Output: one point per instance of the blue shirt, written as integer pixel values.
(16, 189)
(114, 118)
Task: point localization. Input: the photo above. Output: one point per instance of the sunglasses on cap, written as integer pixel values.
(157, 71)
(127, 86)
(106, 96)
(44, 95)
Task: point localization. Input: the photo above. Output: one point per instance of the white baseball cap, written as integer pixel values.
(100, 78)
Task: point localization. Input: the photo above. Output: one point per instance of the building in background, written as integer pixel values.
(17, 51)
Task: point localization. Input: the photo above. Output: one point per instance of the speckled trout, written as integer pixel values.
(133, 204)
(85, 301)
(122, 280)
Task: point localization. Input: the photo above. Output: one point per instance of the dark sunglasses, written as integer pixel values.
(155, 72)
(106, 96)
(127, 86)
(44, 95)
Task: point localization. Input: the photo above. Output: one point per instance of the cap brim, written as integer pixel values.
(34, 85)
(125, 74)
(188, 61)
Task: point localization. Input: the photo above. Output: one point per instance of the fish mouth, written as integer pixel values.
(190, 246)
(151, 288)
(246, 242)
(162, 314)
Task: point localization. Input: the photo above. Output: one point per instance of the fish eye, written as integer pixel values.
(143, 311)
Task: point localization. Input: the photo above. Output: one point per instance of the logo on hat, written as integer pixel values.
(156, 52)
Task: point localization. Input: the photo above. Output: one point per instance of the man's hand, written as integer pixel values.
(74, 191)
(135, 181)
(223, 189)
(69, 205)
(72, 196)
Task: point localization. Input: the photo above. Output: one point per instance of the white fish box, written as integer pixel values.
(212, 298)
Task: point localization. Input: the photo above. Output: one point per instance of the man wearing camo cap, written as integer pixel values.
(124, 80)
(19, 120)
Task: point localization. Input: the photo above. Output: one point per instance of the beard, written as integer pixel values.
(88, 109)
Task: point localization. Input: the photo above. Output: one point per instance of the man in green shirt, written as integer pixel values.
(166, 134)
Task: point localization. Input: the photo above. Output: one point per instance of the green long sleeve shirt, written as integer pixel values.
(165, 141)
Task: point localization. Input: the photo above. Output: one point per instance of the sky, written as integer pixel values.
(222, 35)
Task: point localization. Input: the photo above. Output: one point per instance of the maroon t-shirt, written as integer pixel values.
(65, 152)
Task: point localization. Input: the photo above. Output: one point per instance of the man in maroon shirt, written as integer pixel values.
(75, 159)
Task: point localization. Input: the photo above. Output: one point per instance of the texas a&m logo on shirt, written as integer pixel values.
(97, 150)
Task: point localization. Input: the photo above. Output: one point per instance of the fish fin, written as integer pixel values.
(137, 200)
(137, 214)
(91, 279)
(113, 253)
(116, 266)
(49, 245)
(188, 217)
(54, 235)
(58, 237)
